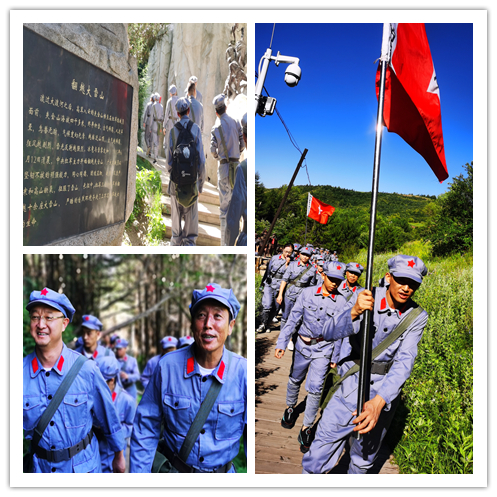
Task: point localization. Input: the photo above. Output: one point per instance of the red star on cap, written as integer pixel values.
(87, 318)
(209, 288)
(357, 265)
(411, 263)
(169, 339)
(339, 267)
(44, 292)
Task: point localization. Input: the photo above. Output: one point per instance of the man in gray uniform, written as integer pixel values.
(157, 116)
(194, 80)
(147, 124)
(196, 108)
(170, 114)
(184, 198)
(389, 370)
(226, 146)
(314, 308)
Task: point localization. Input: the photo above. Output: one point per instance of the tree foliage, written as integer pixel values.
(452, 227)
(142, 37)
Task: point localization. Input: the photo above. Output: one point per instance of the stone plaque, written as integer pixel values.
(76, 130)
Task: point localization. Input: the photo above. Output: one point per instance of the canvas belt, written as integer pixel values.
(301, 285)
(60, 455)
(311, 341)
(231, 159)
(182, 467)
(378, 367)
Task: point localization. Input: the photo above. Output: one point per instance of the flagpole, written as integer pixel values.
(306, 216)
(283, 200)
(365, 366)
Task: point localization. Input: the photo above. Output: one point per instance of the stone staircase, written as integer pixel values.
(209, 231)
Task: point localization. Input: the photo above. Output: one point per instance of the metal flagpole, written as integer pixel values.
(365, 366)
(306, 216)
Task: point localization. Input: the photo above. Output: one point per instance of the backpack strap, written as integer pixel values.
(55, 402)
(201, 417)
(297, 279)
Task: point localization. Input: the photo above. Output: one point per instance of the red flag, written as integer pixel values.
(317, 210)
(412, 97)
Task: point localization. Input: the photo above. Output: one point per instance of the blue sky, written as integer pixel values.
(332, 111)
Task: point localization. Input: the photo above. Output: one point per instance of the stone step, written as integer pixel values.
(208, 234)
(209, 194)
(207, 213)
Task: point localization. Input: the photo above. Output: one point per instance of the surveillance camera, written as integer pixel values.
(293, 74)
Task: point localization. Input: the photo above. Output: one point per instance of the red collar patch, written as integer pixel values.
(60, 364)
(344, 285)
(383, 304)
(95, 354)
(114, 395)
(354, 289)
(34, 365)
(220, 371)
(190, 365)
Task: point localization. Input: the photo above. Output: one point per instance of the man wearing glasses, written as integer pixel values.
(67, 444)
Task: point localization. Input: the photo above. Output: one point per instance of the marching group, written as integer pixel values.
(182, 124)
(322, 307)
(80, 407)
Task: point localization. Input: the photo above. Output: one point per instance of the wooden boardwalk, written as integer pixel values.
(277, 450)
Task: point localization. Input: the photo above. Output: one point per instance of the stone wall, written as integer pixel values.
(199, 50)
(105, 46)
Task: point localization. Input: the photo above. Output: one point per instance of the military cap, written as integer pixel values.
(406, 266)
(53, 299)
(184, 341)
(310, 245)
(296, 247)
(121, 343)
(193, 79)
(319, 260)
(92, 322)
(216, 292)
(113, 338)
(172, 89)
(168, 342)
(109, 366)
(335, 269)
(306, 251)
(354, 267)
(182, 104)
(219, 101)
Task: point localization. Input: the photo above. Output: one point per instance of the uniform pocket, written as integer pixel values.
(75, 410)
(31, 411)
(177, 412)
(230, 416)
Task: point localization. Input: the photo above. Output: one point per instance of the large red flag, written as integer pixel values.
(412, 97)
(317, 210)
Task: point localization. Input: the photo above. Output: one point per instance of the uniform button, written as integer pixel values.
(320, 308)
(232, 410)
(49, 397)
(53, 470)
(51, 423)
(48, 374)
(318, 319)
(27, 404)
(175, 404)
(202, 431)
(385, 329)
(53, 447)
(76, 401)
(389, 313)
(204, 378)
(372, 383)
(201, 459)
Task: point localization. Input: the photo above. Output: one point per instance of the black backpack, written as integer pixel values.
(185, 156)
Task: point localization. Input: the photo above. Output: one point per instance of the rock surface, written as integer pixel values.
(200, 50)
(105, 46)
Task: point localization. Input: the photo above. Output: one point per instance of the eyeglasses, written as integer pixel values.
(47, 319)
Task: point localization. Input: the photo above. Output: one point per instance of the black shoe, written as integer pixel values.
(305, 439)
(288, 419)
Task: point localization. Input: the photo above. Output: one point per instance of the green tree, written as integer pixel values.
(452, 227)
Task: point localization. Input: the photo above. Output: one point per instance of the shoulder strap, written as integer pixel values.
(192, 111)
(297, 279)
(383, 345)
(201, 417)
(223, 141)
(55, 402)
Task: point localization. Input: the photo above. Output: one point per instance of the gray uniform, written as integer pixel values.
(196, 112)
(156, 115)
(189, 233)
(170, 118)
(232, 132)
(148, 127)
